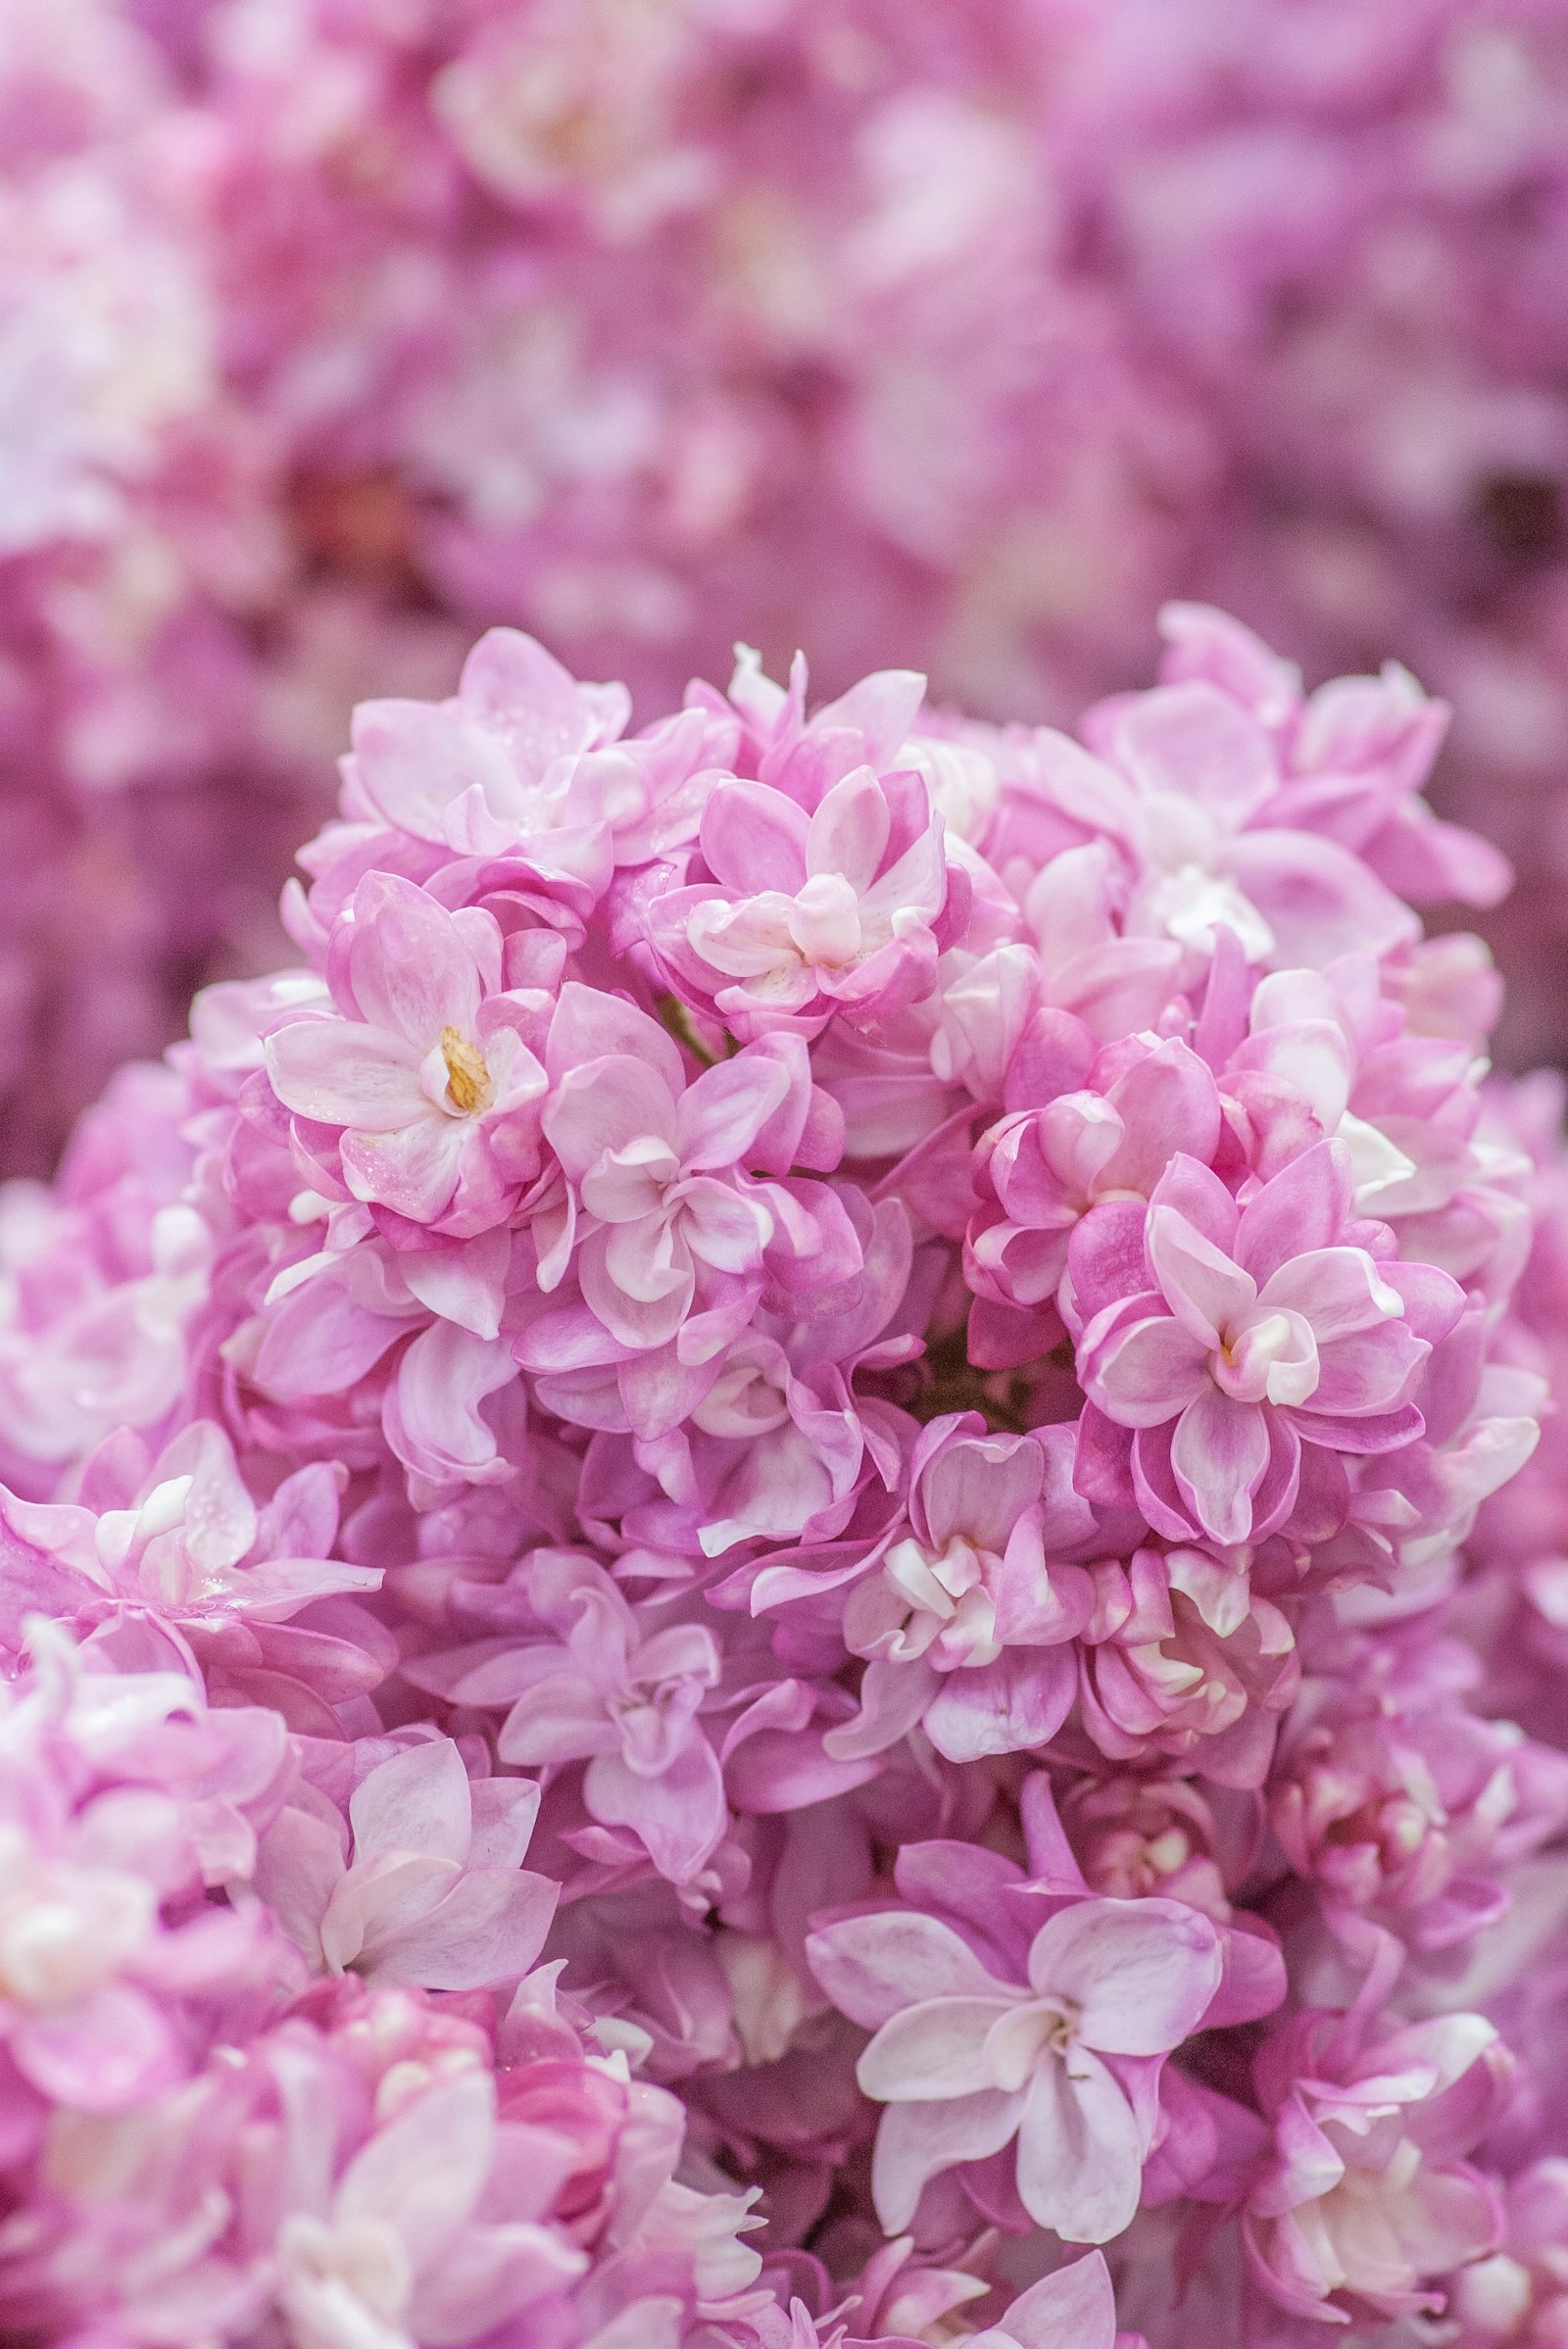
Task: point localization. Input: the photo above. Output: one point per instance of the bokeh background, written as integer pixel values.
(924, 332)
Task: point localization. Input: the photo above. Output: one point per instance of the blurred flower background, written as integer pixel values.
(332, 331)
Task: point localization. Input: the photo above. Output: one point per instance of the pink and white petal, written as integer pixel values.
(1074, 2309)
(1080, 2151)
(1339, 1290)
(603, 1107)
(414, 1171)
(422, 2174)
(1202, 1285)
(1197, 743)
(917, 2142)
(754, 837)
(680, 1815)
(635, 1320)
(1303, 1209)
(933, 2050)
(339, 1072)
(728, 1228)
(720, 1114)
(488, 2276)
(1369, 1373)
(1142, 1374)
(487, 1929)
(561, 1718)
(1141, 1972)
(418, 1802)
(981, 1488)
(504, 1813)
(589, 1025)
(1220, 1455)
(875, 1967)
(1012, 1705)
(850, 832)
(411, 969)
(102, 2054)
(299, 1865)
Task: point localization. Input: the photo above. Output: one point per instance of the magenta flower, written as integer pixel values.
(426, 1070)
(967, 2063)
(1248, 1348)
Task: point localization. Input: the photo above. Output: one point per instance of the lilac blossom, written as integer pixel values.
(967, 2062)
(919, 1584)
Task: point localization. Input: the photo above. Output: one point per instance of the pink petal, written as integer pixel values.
(1145, 1374)
(850, 831)
(1074, 2309)
(875, 1967)
(1009, 1706)
(1204, 1288)
(915, 2142)
(679, 1816)
(754, 839)
(936, 2050)
(339, 1073)
(1194, 741)
(414, 1171)
(1219, 1453)
(490, 1927)
(422, 2174)
(1080, 2155)
(606, 1106)
(1141, 1972)
(418, 1802)
(412, 972)
(1338, 1290)
(720, 1116)
(105, 2053)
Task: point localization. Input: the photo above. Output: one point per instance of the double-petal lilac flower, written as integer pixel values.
(1256, 1340)
(426, 1073)
(430, 1888)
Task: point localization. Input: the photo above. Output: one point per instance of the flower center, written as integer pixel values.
(468, 1077)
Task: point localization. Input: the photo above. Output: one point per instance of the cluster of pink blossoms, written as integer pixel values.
(763, 1574)
(333, 331)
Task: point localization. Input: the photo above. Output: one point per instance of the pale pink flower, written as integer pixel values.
(651, 1160)
(966, 2062)
(622, 1693)
(427, 1889)
(1366, 2199)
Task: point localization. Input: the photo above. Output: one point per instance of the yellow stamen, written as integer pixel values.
(467, 1078)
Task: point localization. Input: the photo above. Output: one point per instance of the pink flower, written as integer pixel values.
(966, 2062)
(842, 906)
(1072, 2309)
(623, 1698)
(517, 759)
(1249, 1353)
(188, 1544)
(434, 1893)
(419, 2238)
(426, 1070)
(651, 1160)
(1366, 2199)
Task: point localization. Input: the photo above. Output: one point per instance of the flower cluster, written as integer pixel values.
(334, 330)
(758, 1587)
